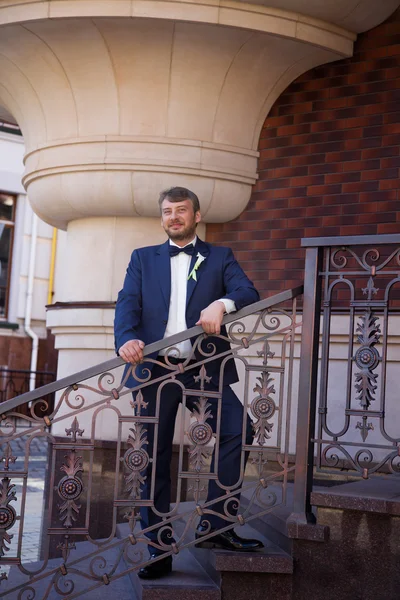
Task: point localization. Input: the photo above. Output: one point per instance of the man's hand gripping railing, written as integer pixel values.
(72, 380)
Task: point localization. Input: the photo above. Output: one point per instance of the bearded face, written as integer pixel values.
(179, 220)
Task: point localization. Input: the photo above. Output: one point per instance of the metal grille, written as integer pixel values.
(263, 345)
(357, 427)
(14, 382)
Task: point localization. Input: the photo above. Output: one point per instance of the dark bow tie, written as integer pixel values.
(175, 250)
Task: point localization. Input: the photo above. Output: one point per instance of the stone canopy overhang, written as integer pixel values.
(118, 99)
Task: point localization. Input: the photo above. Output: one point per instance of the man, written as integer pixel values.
(167, 289)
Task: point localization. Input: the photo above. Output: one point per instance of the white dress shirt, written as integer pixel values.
(177, 305)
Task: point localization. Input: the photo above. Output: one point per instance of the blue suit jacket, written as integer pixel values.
(143, 303)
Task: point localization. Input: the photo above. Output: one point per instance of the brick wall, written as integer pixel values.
(15, 353)
(329, 162)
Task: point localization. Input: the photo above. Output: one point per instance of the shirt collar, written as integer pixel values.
(194, 240)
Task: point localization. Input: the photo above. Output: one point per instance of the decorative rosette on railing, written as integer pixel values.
(136, 460)
(70, 489)
(200, 434)
(8, 514)
(263, 408)
(367, 358)
(200, 431)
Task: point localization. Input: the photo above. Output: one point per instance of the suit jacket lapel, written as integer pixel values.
(204, 250)
(163, 272)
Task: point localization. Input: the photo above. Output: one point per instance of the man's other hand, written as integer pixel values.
(132, 351)
(211, 317)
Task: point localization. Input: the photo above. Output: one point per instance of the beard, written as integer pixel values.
(182, 234)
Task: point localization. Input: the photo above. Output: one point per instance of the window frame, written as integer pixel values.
(10, 225)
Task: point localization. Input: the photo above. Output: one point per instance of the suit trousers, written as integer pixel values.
(230, 446)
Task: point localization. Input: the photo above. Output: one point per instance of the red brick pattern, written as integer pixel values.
(329, 162)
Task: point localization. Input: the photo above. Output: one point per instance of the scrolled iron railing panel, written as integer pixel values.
(360, 286)
(265, 349)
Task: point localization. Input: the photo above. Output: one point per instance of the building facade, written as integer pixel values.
(329, 162)
(117, 100)
(283, 117)
(26, 248)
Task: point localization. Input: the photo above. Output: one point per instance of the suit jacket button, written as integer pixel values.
(165, 321)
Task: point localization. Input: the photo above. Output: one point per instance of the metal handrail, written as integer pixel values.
(113, 363)
(351, 240)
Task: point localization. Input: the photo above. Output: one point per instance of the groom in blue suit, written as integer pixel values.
(168, 289)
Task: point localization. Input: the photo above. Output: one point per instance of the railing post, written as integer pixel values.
(306, 411)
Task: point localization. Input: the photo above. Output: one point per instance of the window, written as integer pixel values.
(7, 218)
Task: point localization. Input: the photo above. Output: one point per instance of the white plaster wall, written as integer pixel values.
(60, 266)
(12, 150)
(11, 169)
(42, 266)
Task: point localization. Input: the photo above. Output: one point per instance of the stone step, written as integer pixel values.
(119, 586)
(375, 495)
(272, 525)
(360, 558)
(242, 575)
(271, 559)
(188, 579)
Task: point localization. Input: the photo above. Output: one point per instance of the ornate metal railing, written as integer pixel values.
(356, 282)
(15, 382)
(263, 345)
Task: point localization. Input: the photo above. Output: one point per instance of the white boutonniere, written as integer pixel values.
(198, 262)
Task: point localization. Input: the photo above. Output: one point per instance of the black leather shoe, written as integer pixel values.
(161, 568)
(227, 540)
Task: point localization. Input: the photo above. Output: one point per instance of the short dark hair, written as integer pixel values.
(178, 194)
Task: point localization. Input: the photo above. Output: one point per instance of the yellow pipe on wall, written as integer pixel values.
(52, 266)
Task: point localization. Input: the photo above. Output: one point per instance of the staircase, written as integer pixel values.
(361, 559)
(356, 558)
(339, 541)
(198, 573)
